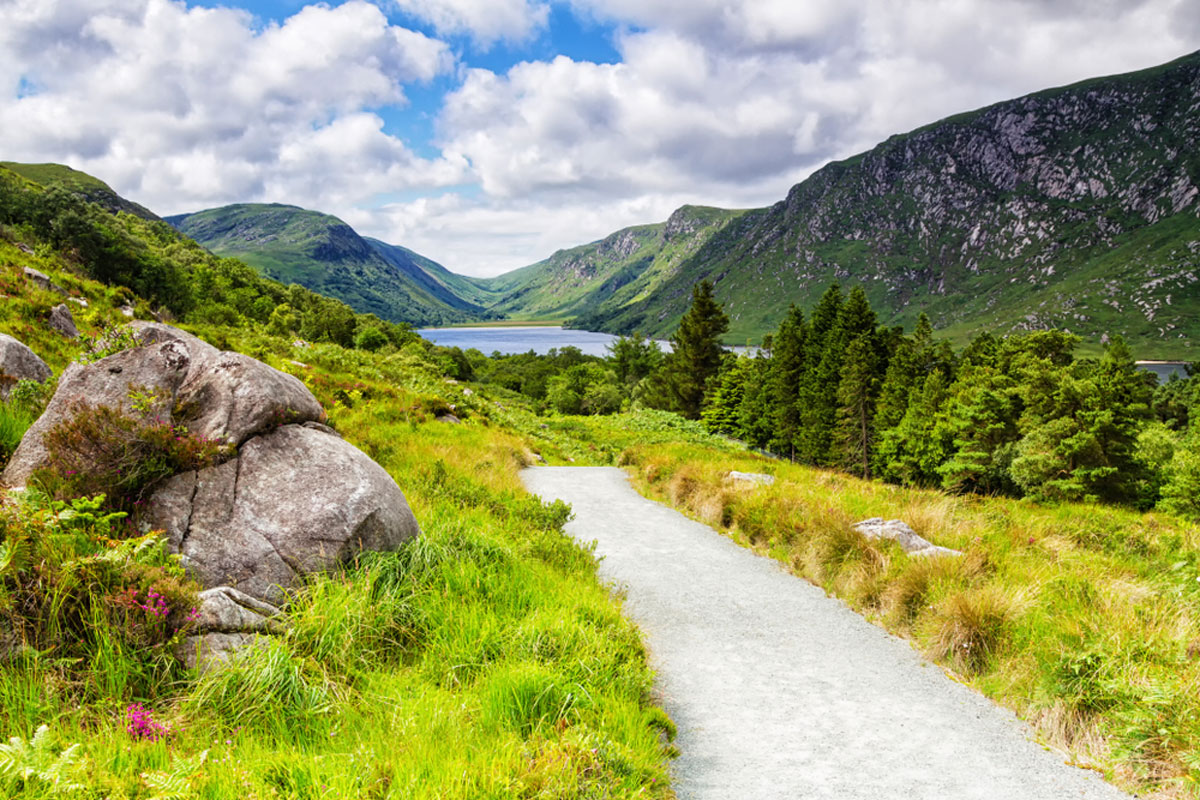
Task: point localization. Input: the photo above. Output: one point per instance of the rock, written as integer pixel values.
(224, 609)
(79, 301)
(127, 312)
(295, 500)
(24, 248)
(62, 321)
(226, 620)
(227, 397)
(43, 280)
(453, 420)
(467, 393)
(203, 652)
(899, 532)
(752, 477)
(18, 362)
(40, 278)
(160, 369)
(234, 397)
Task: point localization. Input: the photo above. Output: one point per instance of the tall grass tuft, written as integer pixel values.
(269, 688)
(971, 626)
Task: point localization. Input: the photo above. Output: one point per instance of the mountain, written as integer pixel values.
(320, 252)
(626, 267)
(89, 188)
(1072, 208)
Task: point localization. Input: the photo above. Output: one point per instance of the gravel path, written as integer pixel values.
(782, 692)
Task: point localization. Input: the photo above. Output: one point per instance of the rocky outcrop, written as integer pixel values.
(295, 499)
(898, 531)
(222, 396)
(62, 321)
(18, 363)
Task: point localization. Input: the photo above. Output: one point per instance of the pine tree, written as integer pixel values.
(817, 386)
(820, 397)
(855, 436)
(720, 414)
(786, 370)
(695, 354)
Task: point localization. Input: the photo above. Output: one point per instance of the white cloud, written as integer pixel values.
(487, 21)
(733, 101)
(721, 102)
(182, 108)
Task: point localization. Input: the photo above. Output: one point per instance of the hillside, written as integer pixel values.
(87, 187)
(623, 268)
(320, 252)
(1069, 208)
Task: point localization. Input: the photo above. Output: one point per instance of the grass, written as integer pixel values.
(1081, 618)
(484, 659)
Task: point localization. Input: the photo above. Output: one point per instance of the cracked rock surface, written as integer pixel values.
(296, 500)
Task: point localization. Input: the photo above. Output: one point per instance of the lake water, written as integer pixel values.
(538, 338)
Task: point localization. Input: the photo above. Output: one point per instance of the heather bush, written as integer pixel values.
(124, 456)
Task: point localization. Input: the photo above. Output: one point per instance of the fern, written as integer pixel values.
(177, 782)
(38, 763)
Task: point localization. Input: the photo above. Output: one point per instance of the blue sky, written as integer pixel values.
(488, 133)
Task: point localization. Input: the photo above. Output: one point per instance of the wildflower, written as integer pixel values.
(140, 724)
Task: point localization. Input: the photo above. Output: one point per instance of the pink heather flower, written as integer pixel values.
(140, 724)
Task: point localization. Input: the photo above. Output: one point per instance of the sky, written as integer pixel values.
(486, 134)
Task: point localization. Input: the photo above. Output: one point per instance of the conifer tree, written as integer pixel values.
(818, 381)
(855, 436)
(695, 354)
(787, 367)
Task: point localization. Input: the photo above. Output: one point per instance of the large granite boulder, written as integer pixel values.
(295, 499)
(18, 363)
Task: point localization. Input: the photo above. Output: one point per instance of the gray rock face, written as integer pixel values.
(17, 363)
(899, 532)
(160, 369)
(296, 500)
(62, 321)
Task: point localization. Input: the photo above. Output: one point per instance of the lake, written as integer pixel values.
(538, 338)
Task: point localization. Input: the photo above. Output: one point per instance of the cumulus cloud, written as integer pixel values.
(721, 102)
(733, 101)
(487, 21)
(183, 107)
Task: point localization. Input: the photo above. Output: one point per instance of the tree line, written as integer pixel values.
(1019, 415)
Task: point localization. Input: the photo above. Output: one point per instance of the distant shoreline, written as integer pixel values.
(502, 323)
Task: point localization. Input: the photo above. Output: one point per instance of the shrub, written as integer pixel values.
(110, 608)
(103, 450)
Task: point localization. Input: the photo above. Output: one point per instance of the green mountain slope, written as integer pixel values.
(89, 188)
(1073, 208)
(322, 253)
(626, 267)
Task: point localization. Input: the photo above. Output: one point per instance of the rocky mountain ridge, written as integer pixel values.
(1073, 208)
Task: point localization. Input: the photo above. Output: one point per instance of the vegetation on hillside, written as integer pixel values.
(484, 659)
(320, 252)
(1019, 416)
